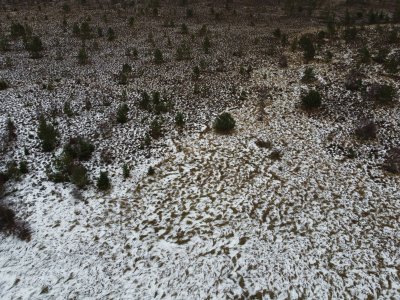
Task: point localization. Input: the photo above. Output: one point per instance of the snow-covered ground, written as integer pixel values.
(222, 217)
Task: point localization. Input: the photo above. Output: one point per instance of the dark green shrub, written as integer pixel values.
(78, 175)
(66, 8)
(103, 182)
(17, 30)
(224, 123)
(151, 171)
(76, 29)
(48, 135)
(276, 155)
(11, 131)
(353, 81)
(365, 56)
(392, 161)
(131, 21)
(382, 93)
(145, 101)
(366, 131)
(308, 75)
(277, 33)
(381, 56)
(125, 171)
(85, 31)
(126, 68)
(392, 64)
(67, 109)
(122, 114)
(184, 29)
(311, 100)
(4, 43)
(3, 85)
(34, 46)
(306, 44)
(110, 34)
(196, 73)
(79, 148)
(350, 34)
(183, 52)
(158, 57)
(13, 172)
(155, 129)
(23, 167)
(206, 45)
(179, 119)
(83, 57)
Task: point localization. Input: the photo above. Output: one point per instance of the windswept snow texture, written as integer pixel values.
(219, 219)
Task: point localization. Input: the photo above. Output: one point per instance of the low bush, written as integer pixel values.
(353, 81)
(392, 161)
(311, 100)
(34, 46)
(79, 149)
(263, 144)
(224, 123)
(158, 57)
(366, 131)
(276, 155)
(3, 85)
(9, 224)
(382, 93)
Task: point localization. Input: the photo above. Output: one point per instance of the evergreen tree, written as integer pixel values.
(103, 182)
(48, 135)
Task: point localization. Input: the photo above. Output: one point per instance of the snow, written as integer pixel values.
(219, 218)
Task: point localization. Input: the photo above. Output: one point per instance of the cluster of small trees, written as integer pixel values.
(155, 103)
(33, 44)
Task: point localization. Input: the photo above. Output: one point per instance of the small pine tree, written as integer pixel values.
(155, 129)
(48, 135)
(145, 101)
(206, 45)
(103, 182)
(122, 114)
(308, 47)
(196, 73)
(79, 175)
(83, 57)
(184, 29)
(158, 57)
(67, 109)
(23, 167)
(110, 34)
(35, 47)
(85, 31)
(308, 75)
(125, 171)
(179, 119)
